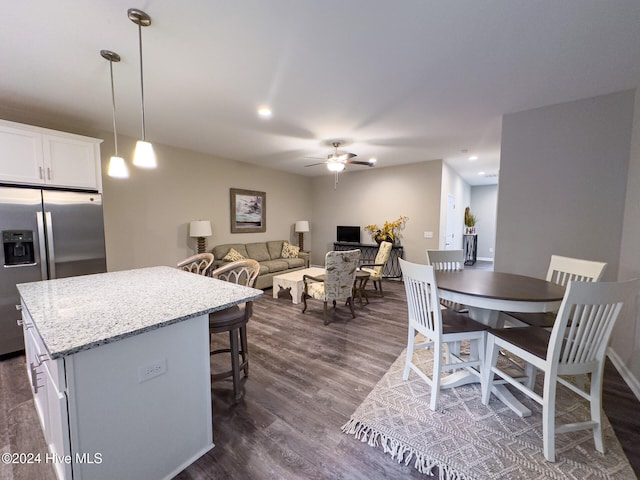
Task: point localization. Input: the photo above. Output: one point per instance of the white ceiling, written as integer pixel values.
(403, 81)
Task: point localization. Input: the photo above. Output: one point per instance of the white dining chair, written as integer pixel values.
(439, 326)
(576, 346)
(448, 261)
(562, 270)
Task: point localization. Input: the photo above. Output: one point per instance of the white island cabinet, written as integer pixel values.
(119, 367)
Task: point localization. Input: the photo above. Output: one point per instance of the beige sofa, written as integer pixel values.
(268, 254)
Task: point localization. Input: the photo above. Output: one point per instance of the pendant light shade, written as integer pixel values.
(144, 155)
(117, 165)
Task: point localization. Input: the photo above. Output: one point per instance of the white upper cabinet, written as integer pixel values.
(39, 156)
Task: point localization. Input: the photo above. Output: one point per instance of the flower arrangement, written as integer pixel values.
(389, 232)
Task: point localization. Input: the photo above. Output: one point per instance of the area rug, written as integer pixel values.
(466, 440)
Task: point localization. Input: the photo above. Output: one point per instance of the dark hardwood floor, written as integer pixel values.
(305, 381)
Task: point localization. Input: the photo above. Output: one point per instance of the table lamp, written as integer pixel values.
(200, 229)
(302, 226)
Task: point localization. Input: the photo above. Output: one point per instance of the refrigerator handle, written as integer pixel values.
(50, 247)
(43, 246)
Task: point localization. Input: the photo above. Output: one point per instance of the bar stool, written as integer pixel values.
(234, 320)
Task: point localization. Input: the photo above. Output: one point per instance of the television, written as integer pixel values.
(348, 234)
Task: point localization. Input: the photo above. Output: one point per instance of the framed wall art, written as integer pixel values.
(248, 211)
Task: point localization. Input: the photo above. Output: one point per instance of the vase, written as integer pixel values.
(382, 238)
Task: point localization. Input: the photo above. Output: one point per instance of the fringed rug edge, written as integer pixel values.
(399, 451)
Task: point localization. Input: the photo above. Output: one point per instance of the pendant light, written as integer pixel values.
(144, 155)
(117, 166)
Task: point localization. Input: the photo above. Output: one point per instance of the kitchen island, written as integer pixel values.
(119, 367)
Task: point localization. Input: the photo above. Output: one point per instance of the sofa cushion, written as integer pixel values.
(220, 251)
(233, 256)
(289, 251)
(295, 262)
(258, 251)
(275, 265)
(275, 249)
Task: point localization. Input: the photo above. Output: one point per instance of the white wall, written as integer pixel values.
(372, 195)
(563, 176)
(453, 184)
(484, 203)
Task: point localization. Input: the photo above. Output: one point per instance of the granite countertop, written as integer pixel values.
(79, 313)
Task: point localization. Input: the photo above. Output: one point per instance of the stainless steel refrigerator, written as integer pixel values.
(46, 234)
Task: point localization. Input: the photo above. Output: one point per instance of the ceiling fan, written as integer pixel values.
(337, 161)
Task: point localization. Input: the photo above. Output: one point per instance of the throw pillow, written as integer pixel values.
(233, 256)
(289, 251)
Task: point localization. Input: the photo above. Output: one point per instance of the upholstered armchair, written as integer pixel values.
(336, 284)
(375, 269)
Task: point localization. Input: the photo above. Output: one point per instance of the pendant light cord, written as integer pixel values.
(113, 104)
(141, 82)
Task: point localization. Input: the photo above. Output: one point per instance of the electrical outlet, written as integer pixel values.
(152, 370)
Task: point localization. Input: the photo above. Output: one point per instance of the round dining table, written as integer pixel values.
(486, 294)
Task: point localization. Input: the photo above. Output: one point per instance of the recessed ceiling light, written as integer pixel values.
(482, 173)
(264, 112)
(473, 157)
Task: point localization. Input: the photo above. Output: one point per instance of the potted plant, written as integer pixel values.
(389, 232)
(470, 221)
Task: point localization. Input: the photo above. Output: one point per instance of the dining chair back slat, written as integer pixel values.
(446, 260)
(562, 270)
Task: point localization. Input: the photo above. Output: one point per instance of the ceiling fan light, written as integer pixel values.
(144, 155)
(117, 168)
(334, 166)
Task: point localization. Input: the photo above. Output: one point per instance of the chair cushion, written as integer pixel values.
(224, 320)
(258, 251)
(454, 322)
(534, 340)
(316, 290)
(544, 320)
(374, 274)
(233, 256)
(289, 251)
(275, 265)
(275, 249)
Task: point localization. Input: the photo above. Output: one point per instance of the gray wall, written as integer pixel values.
(484, 203)
(563, 176)
(626, 336)
(373, 195)
(570, 184)
(147, 215)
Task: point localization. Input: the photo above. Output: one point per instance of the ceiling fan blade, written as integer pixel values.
(314, 164)
(359, 162)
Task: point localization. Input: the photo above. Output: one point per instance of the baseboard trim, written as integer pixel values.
(485, 259)
(625, 373)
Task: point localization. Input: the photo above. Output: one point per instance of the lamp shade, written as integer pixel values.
(200, 228)
(118, 168)
(144, 156)
(302, 226)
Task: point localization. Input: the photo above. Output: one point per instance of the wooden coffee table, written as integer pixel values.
(293, 282)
